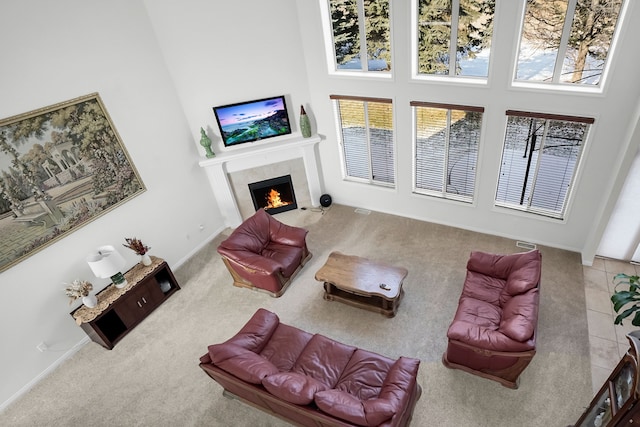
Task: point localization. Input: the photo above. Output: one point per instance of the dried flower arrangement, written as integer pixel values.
(136, 245)
(78, 289)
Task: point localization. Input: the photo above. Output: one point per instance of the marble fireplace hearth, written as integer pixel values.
(231, 171)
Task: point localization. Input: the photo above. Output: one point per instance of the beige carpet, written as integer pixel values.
(152, 378)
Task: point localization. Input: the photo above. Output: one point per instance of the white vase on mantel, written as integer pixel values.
(145, 259)
(90, 300)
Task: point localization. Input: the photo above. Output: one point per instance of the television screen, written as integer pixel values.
(252, 120)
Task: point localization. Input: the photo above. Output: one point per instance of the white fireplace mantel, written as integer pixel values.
(254, 155)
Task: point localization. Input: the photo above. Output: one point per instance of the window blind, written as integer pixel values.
(446, 149)
(365, 131)
(539, 160)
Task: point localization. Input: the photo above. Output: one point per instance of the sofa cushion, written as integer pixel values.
(255, 334)
(479, 313)
(520, 315)
(244, 364)
(324, 359)
(482, 287)
(288, 256)
(364, 374)
(342, 405)
(285, 346)
(293, 387)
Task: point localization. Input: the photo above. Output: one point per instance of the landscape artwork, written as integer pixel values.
(60, 167)
(253, 120)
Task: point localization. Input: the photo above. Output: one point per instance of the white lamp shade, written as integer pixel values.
(105, 262)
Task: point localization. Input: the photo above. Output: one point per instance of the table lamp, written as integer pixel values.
(107, 262)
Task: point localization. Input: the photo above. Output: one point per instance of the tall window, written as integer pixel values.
(360, 34)
(365, 132)
(539, 161)
(454, 37)
(446, 149)
(567, 41)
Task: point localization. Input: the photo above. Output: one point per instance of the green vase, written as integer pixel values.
(305, 124)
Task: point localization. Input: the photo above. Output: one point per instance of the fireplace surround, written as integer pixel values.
(242, 158)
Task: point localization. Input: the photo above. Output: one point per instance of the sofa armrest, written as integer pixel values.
(483, 338)
(288, 235)
(253, 262)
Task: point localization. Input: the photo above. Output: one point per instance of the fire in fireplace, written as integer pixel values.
(274, 195)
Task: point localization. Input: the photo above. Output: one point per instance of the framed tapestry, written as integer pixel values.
(61, 167)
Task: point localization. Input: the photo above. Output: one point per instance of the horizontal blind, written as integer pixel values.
(447, 140)
(539, 160)
(366, 133)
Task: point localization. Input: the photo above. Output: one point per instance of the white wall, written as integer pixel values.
(603, 158)
(224, 52)
(56, 51)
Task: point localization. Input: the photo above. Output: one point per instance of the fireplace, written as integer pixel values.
(274, 195)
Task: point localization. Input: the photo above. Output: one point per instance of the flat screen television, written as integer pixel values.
(252, 120)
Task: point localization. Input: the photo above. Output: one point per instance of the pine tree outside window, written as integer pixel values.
(458, 29)
(540, 157)
(446, 139)
(365, 134)
(359, 36)
(573, 39)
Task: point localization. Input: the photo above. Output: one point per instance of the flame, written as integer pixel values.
(274, 201)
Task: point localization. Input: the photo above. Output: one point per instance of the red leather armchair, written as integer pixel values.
(493, 333)
(263, 253)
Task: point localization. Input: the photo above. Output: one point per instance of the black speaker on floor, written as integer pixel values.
(325, 200)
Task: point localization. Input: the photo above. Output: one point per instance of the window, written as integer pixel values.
(566, 41)
(539, 161)
(446, 149)
(365, 132)
(459, 29)
(360, 35)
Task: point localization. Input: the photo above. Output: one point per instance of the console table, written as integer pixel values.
(120, 310)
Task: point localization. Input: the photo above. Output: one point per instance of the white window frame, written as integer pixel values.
(332, 66)
(526, 206)
(451, 76)
(443, 193)
(338, 122)
(556, 84)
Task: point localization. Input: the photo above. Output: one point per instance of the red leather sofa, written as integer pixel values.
(311, 380)
(263, 253)
(493, 333)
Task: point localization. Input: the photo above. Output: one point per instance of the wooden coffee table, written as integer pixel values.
(363, 283)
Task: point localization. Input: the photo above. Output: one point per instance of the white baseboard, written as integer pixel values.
(67, 354)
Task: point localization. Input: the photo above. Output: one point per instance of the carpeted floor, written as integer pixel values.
(152, 378)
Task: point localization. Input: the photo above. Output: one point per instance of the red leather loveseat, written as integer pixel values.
(263, 253)
(493, 333)
(312, 380)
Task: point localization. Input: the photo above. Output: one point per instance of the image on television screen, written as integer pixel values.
(252, 120)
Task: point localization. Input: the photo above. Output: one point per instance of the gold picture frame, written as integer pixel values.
(61, 167)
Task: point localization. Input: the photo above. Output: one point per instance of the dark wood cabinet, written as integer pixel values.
(617, 403)
(119, 310)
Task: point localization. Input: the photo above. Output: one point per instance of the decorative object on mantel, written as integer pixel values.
(81, 289)
(139, 248)
(205, 141)
(621, 298)
(87, 162)
(107, 262)
(305, 124)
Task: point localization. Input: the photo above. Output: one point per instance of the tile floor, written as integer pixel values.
(607, 341)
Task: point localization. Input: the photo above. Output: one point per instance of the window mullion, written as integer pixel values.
(445, 169)
(453, 41)
(538, 163)
(367, 134)
(364, 58)
(564, 40)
